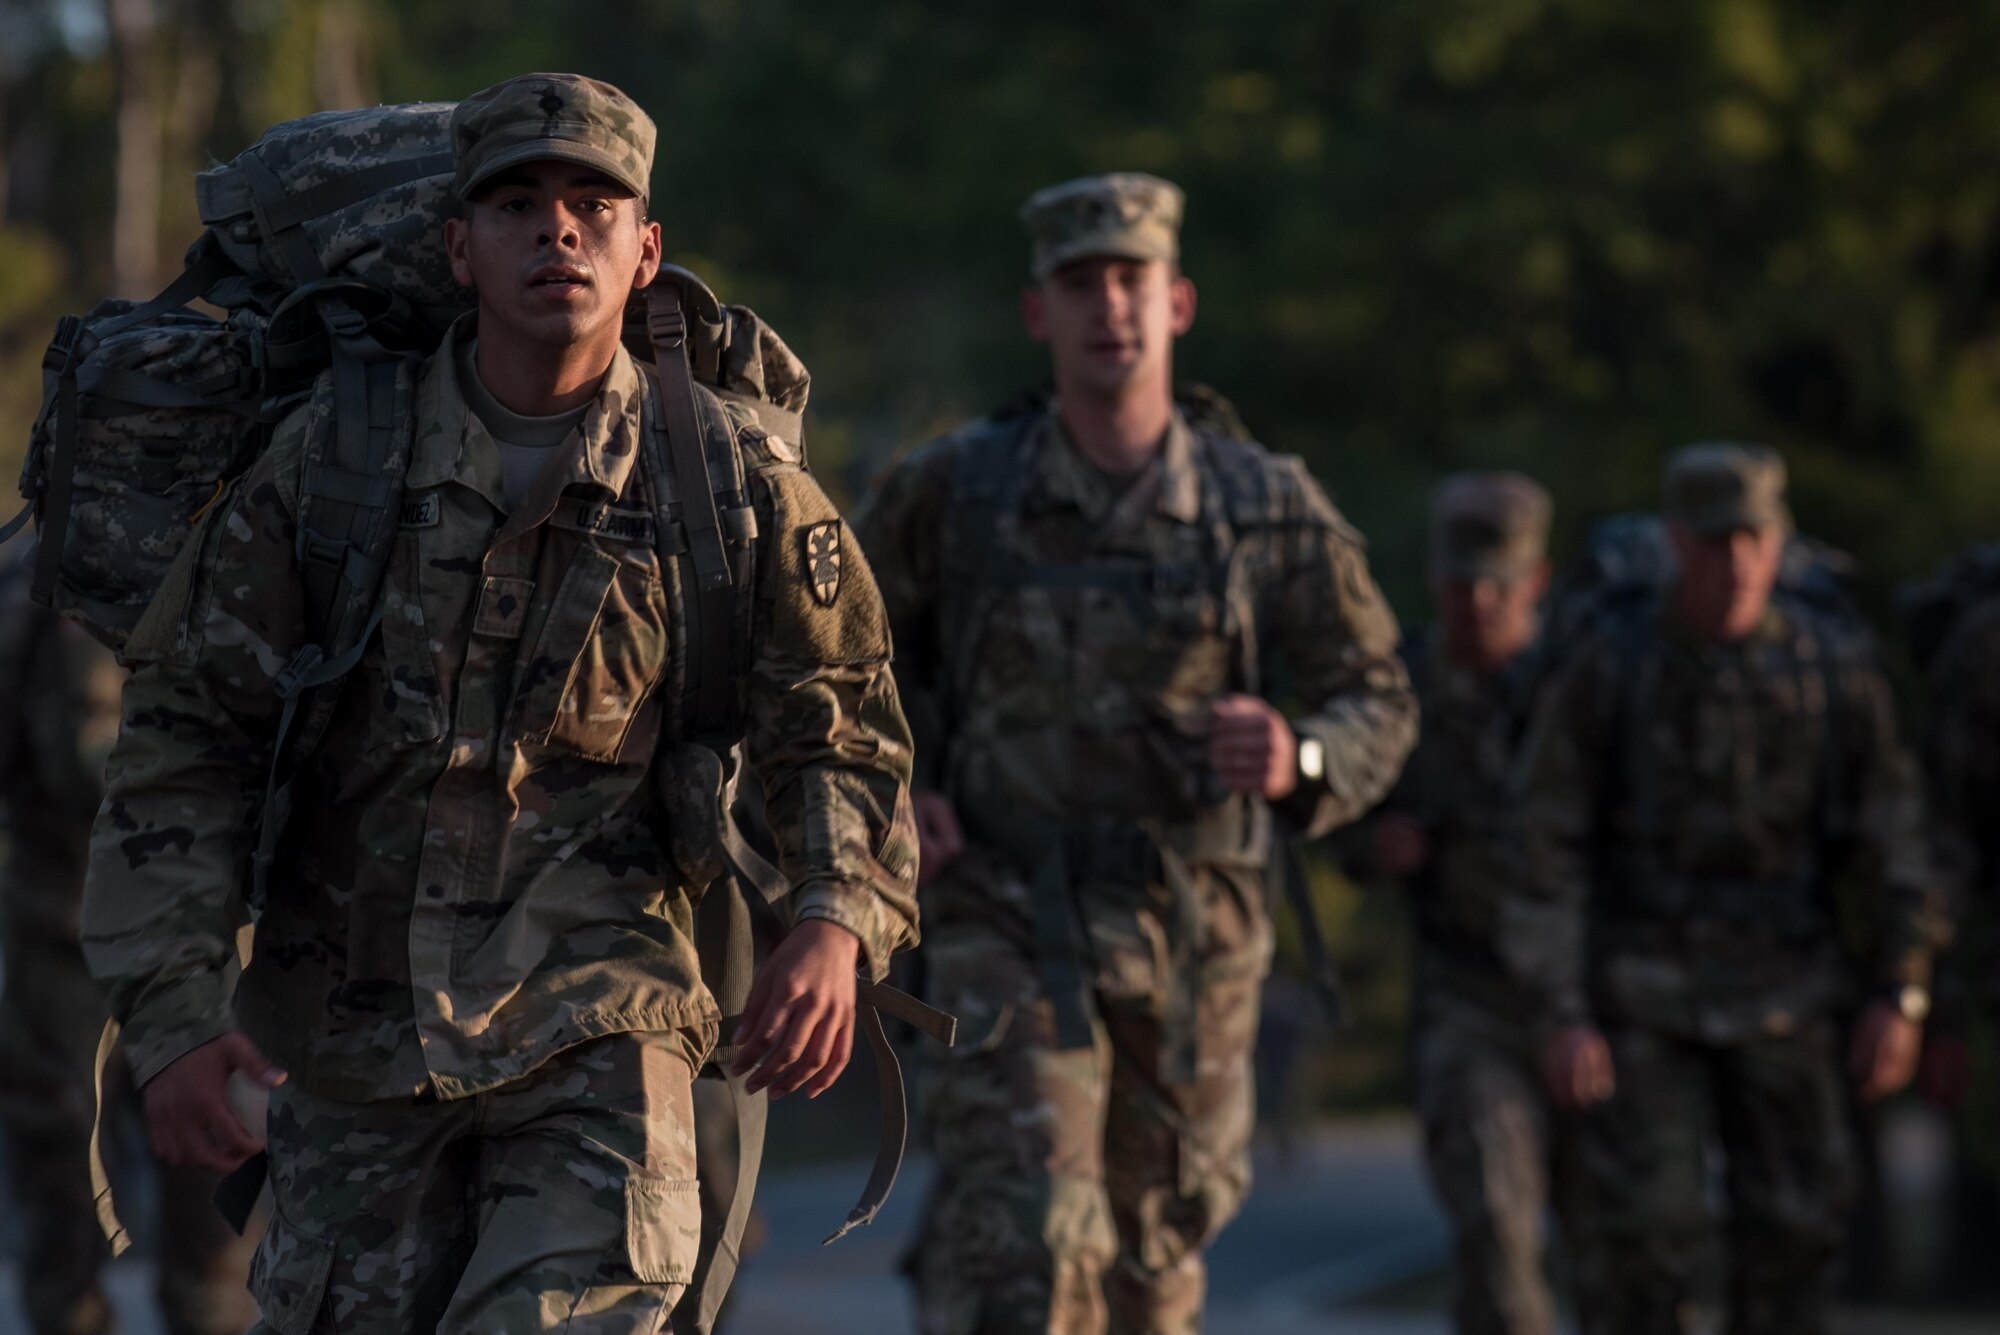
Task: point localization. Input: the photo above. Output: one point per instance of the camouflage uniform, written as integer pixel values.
(1497, 1150)
(1104, 935)
(1689, 808)
(61, 698)
(476, 958)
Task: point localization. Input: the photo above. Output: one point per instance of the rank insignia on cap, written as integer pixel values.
(822, 561)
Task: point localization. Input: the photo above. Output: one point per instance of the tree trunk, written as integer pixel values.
(135, 231)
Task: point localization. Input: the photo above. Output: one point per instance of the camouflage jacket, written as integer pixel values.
(1055, 699)
(61, 704)
(1689, 811)
(477, 874)
(1962, 762)
(1459, 788)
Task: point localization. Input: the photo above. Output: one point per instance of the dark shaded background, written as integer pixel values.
(1558, 235)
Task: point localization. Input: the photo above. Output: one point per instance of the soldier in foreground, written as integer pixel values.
(59, 693)
(1088, 597)
(1706, 770)
(474, 988)
(1498, 1153)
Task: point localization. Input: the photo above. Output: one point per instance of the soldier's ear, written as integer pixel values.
(1182, 297)
(455, 233)
(1034, 314)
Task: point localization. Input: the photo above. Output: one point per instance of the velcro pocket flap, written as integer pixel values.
(288, 1277)
(662, 1228)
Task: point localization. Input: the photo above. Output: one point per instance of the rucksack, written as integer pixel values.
(1932, 608)
(324, 254)
(1628, 558)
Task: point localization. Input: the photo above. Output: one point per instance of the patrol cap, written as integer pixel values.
(1488, 526)
(1129, 215)
(551, 117)
(1719, 487)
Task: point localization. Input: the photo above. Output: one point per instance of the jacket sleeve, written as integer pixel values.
(1338, 637)
(171, 846)
(1560, 782)
(826, 730)
(1890, 854)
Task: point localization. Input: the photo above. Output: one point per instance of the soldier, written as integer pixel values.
(475, 988)
(1959, 653)
(1492, 1141)
(1707, 767)
(1087, 597)
(59, 690)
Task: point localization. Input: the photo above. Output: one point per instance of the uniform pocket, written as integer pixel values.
(599, 658)
(662, 1228)
(288, 1277)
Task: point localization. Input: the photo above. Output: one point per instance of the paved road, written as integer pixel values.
(1343, 1239)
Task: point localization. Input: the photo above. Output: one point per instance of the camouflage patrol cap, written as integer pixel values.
(1126, 214)
(1488, 526)
(1719, 486)
(543, 117)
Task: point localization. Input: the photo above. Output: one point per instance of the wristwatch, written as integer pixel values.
(1312, 759)
(1912, 1002)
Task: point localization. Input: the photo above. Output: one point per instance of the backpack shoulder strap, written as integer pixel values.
(349, 488)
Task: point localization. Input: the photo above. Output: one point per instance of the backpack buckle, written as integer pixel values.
(292, 680)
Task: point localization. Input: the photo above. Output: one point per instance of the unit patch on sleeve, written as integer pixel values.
(821, 544)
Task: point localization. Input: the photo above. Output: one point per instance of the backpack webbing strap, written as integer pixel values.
(676, 446)
(100, 1180)
(20, 519)
(59, 473)
(271, 205)
(1288, 867)
(289, 209)
(208, 267)
(986, 484)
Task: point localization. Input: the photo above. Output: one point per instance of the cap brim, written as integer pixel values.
(1737, 519)
(1117, 245)
(552, 150)
(1469, 569)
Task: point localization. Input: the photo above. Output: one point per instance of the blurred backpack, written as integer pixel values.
(1930, 609)
(1628, 560)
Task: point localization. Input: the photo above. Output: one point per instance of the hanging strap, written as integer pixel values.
(727, 923)
(1288, 866)
(100, 1180)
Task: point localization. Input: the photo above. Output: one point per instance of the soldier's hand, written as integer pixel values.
(188, 1114)
(1251, 748)
(1885, 1052)
(797, 1030)
(940, 838)
(1400, 847)
(1576, 1067)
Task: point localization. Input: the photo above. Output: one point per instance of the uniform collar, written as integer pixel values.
(600, 452)
(1170, 485)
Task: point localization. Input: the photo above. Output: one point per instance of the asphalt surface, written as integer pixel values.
(1339, 1238)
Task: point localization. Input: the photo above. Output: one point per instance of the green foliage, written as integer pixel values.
(1558, 235)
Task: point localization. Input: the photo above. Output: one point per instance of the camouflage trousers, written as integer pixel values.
(48, 1044)
(1776, 1110)
(565, 1200)
(1499, 1156)
(1077, 1188)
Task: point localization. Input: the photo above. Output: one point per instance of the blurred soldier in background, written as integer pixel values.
(1086, 597)
(1953, 625)
(1496, 1157)
(58, 717)
(1705, 770)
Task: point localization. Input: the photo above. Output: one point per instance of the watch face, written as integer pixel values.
(1914, 1002)
(1312, 758)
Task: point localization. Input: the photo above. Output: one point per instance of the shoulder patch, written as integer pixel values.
(820, 559)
